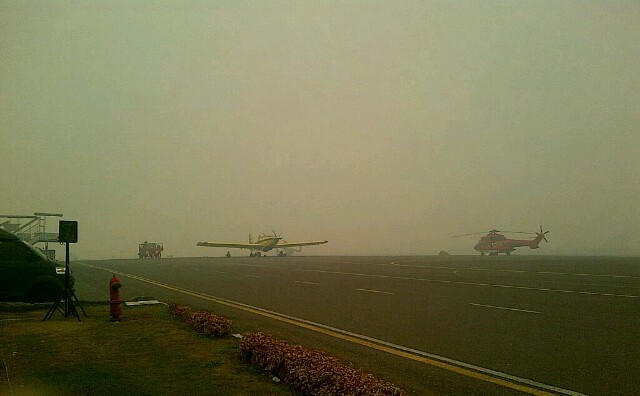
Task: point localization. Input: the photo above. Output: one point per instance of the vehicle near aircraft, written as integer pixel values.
(263, 244)
(150, 250)
(495, 243)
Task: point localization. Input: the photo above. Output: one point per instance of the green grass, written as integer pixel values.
(149, 353)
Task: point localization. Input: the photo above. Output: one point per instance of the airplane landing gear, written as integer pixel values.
(281, 254)
(228, 255)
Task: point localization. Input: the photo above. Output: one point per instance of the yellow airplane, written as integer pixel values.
(263, 244)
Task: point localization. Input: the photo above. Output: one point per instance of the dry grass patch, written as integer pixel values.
(148, 353)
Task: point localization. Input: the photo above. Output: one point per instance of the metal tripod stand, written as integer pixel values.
(67, 302)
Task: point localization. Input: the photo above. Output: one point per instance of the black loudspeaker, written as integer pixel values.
(68, 231)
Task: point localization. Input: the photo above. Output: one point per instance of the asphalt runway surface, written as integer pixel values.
(432, 325)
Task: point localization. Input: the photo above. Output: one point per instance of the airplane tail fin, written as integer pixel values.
(539, 237)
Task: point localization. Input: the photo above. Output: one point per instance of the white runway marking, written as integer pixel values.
(397, 264)
(506, 308)
(374, 291)
(307, 283)
(251, 265)
(472, 283)
(456, 273)
(252, 276)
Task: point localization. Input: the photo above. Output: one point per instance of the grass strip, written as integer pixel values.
(149, 353)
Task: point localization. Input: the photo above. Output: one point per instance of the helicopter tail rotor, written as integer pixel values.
(542, 234)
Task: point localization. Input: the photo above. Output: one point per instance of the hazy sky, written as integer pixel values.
(384, 127)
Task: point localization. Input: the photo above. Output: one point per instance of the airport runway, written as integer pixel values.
(433, 325)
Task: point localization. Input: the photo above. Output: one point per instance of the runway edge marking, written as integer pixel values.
(462, 368)
(505, 308)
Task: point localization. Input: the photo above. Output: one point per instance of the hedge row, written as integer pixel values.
(204, 322)
(309, 371)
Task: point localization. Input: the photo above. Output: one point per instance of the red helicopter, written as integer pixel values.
(495, 243)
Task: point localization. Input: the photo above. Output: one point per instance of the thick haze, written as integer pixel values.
(384, 127)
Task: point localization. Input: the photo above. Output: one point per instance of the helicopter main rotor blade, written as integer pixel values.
(494, 231)
(473, 233)
(519, 232)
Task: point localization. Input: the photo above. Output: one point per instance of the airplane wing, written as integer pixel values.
(252, 246)
(293, 244)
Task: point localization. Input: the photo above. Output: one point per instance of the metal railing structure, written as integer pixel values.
(30, 228)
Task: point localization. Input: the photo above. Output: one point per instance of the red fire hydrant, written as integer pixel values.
(114, 299)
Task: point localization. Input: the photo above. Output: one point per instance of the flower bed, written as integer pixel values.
(309, 371)
(204, 322)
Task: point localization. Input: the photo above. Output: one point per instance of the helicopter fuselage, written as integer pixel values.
(495, 244)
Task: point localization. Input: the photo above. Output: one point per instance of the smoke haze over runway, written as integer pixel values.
(383, 127)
